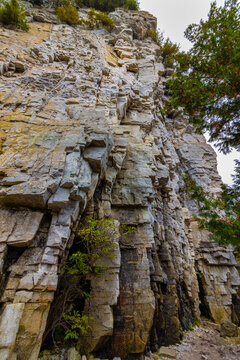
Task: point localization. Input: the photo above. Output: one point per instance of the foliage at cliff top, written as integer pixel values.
(207, 78)
(109, 5)
(96, 16)
(69, 14)
(13, 14)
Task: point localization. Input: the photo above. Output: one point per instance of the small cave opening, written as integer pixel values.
(12, 256)
(203, 306)
(163, 288)
(186, 316)
(98, 192)
(236, 308)
(158, 336)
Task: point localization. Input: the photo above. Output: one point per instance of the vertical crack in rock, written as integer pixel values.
(81, 127)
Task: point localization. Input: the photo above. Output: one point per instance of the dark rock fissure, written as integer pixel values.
(203, 306)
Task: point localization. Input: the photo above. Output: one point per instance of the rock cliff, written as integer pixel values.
(82, 130)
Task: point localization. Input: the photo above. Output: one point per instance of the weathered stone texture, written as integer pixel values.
(80, 119)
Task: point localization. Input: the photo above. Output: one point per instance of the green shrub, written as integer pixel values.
(79, 3)
(77, 324)
(168, 48)
(95, 237)
(220, 215)
(169, 51)
(13, 14)
(132, 5)
(99, 17)
(110, 5)
(68, 14)
(154, 35)
(96, 243)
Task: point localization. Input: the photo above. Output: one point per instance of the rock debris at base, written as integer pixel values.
(202, 343)
(206, 344)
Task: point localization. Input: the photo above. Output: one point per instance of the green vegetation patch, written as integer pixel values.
(109, 5)
(169, 49)
(68, 14)
(13, 14)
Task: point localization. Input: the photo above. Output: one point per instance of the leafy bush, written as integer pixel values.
(77, 324)
(96, 17)
(169, 49)
(13, 14)
(96, 243)
(79, 3)
(109, 5)
(219, 215)
(68, 14)
(132, 5)
(154, 35)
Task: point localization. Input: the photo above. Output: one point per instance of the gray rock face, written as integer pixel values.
(81, 127)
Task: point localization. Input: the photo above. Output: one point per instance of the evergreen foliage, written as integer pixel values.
(169, 49)
(219, 215)
(109, 5)
(207, 79)
(13, 14)
(206, 85)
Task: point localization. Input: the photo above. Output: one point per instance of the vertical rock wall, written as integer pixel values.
(81, 108)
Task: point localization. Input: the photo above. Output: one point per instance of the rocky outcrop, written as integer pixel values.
(81, 126)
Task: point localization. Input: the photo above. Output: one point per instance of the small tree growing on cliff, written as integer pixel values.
(94, 242)
(169, 50)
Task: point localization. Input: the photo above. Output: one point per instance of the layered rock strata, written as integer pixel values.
(80, 123)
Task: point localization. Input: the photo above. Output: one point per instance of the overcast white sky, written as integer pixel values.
(173, 18)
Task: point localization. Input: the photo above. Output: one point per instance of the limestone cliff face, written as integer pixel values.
(81, 127)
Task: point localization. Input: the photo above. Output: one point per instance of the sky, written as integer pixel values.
(173, 18)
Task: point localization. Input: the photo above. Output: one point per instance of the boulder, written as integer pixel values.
(228, 329)
(167, 353)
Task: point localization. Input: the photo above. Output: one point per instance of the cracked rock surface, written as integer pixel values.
(81, 127)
